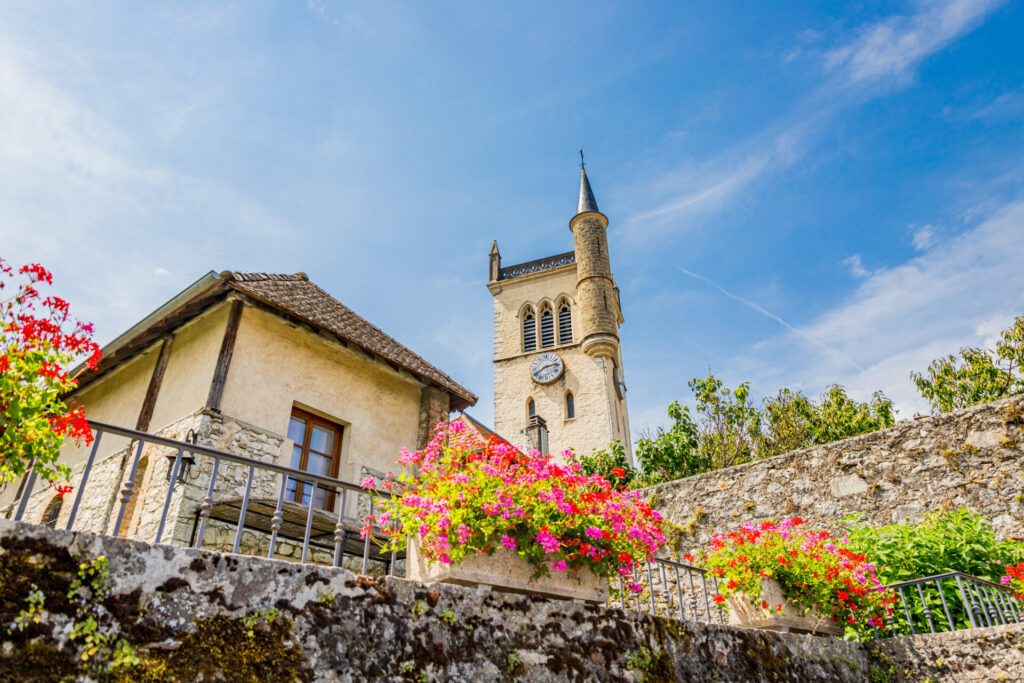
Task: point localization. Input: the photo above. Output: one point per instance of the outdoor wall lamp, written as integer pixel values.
(188, 459)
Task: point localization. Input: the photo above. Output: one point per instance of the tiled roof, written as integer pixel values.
(297, 296)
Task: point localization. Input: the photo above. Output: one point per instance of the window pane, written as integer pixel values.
(296, 463)
(322, 440)
(564, 325)
(529, 333)
(318, 464)
(570, 406)
(297, 430)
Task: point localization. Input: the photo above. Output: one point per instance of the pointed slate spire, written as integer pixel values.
(587, 201)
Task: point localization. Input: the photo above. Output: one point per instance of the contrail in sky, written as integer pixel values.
(768, 314)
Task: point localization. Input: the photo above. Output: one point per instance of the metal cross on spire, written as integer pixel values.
(582, 164)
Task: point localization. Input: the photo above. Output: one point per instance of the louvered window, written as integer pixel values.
(529, 333)
(547, 329)
(564, 324)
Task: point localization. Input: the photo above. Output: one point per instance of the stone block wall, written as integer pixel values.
(972, 458)
(187, 615)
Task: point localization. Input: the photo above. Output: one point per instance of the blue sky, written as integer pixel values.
(799, 193)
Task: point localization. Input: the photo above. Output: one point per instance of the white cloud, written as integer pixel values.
(923, 237)
(856, 266)
(959, 293)
(889, 50)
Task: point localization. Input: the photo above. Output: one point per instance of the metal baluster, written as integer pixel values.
(679, 594)
(25, 494)
(903, 600)
(721, 613)
(927, 611)
(1018, 608)
(622, 593)
(986, 602)
(664, 588)
(693, 597)
(309, 524)
(170, 493)
(993, 597)
(339, 531)
(278, 518)
(965, 601)
(366, 541)
(945, 607)
(707, 600)
(639, 608)
(85, 478)
(207, 504)
(391, 564)
(977, 604)
(129, 488)
(245, 509)
(650, 585)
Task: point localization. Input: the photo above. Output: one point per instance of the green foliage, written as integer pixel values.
(639, 659)
(958, 540)
(449, 617)
(727, 428)
(975, 375)
(33, 614)
(609, 462)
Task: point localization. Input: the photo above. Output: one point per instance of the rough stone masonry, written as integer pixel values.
(972, 458)
(172, 614)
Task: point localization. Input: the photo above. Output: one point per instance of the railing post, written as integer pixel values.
(278, 518)
(339, 530)
(945, 607)
(309, 524)
(30, 484)
(926, 610)
(170, 492)
(207, 505)
(968, 606)
(85, 479)
(129, 488)
(244, 511)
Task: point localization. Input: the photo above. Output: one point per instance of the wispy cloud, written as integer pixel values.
(883, 54)
(958, 293)
(890, 50)
(807, 336)
(856, 266)
(923, 237)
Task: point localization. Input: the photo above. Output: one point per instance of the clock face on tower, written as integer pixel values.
(546, 368)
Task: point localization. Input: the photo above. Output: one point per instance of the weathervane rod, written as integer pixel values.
(582, 165)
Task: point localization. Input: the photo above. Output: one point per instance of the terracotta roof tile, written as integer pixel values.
(297, 296)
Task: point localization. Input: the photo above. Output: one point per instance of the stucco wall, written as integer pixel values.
(599, 413)
(277, 365)
(972, 458)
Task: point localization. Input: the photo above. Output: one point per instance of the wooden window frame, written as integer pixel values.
(314, 420)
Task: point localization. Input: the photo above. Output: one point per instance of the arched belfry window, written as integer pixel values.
(531, 408)
(570, 406)
(529, 331)
(547, 328)
(564, 323)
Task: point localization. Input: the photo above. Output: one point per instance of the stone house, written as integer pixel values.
(267, 366)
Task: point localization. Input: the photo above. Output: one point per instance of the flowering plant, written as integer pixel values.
(39, 340)
(814, 569)
(461, 496)
(1014, 578)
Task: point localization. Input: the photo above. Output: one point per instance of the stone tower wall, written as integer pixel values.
(595, 288)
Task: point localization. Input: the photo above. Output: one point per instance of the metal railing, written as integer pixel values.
(668, 589)
(303, 518)
(950, 602)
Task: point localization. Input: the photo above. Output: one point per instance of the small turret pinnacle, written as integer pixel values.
(586, 201)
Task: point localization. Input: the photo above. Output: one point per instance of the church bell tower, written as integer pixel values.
(558, 377)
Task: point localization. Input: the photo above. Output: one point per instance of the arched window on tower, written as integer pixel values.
(570, 406)
(547, 328)
(529, 331)
(564, 323)
(531, 408)
(52, 512)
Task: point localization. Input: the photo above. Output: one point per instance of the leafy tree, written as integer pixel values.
(728, 423)
(671, 453)
(38, 342)
(787, 419)
(975, 375)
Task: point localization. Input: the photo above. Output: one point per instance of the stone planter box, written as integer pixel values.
(506, 571)
(747, 613)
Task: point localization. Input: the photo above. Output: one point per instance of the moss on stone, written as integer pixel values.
(250, 648)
